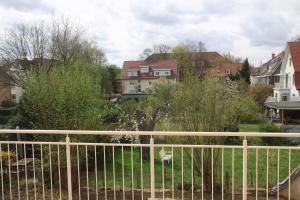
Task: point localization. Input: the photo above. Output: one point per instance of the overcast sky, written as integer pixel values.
(123, 28)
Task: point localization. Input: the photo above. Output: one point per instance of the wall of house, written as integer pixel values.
(145, 85)
(4, 93)
(16, 93)
(286, 85)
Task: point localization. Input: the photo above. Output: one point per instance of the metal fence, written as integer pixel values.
(164, 168)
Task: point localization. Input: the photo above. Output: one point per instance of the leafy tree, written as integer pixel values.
(183, 57)
(146, 114)
(261, 92)
(64, 98)
(245, 71)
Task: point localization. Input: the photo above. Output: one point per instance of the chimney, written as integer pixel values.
(273, 55)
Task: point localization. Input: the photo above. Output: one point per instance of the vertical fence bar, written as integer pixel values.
(123, 177)
(163, 177)
(50, 169)
(182, 183)
(278, 168)
(222, 173)
(256, 174)
(87, 173)
(267, 178)
(142, 180)
(2, 173)
(78, 172)
(69, 176)
(289, 192)
(104, 163)
(42, 167)
(114, 172)
(245, 168)
(33, 170)
(132, 182)
(26, 177)
(9, 172)
(192, 171)
(96, 172)
(212, 173)
(232, 174)
(172, 172)
(152, 177)
(18, 178)
(59, 176)
(202, 174)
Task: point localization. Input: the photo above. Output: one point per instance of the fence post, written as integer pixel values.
(152, 168)
(68, 154)
(245, 168)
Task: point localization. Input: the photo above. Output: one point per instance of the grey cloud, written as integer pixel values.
(154, 15)
(25, 5)
(162, 19)
(267, 30)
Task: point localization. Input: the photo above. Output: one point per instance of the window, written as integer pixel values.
(144, 69)
(131, 73)
(284, 98)
(13, 97)
(131, 83)
(156, 73)
(149, 82)
(167, 73)
(227, 71)
(139, 88)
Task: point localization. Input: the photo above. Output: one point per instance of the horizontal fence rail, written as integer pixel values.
(192, 166)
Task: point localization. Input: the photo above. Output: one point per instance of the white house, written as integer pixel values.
(285, 102)
(288, 87)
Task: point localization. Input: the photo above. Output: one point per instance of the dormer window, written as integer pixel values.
(132, 73)
(162, 72)
(144, 69)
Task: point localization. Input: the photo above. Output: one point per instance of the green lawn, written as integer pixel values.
(262, 168)
(132, 173)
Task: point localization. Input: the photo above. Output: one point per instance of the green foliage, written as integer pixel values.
(64, 98)
(271, 128)
(110, 79)
(261, 92)
(245, 71)
(203, 105)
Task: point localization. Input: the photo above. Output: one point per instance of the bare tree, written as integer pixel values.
(66, 40)
(21, 44)
(43, 45)
(161, 48)
(92, 53)
(146, 53)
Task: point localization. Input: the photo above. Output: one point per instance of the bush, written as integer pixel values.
(273, 141)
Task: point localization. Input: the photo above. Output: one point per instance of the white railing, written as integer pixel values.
(72, 169)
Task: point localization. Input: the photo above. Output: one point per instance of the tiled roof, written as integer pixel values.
(295, 54)
(160, 64)
(207, 55)
(222, 68)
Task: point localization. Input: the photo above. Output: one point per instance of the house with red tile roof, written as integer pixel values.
(138, 77)
(225, 70)
(286, 97)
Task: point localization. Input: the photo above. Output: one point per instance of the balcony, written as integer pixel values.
(161, 169)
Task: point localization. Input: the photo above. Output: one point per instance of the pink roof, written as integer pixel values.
(295, 54)
(157, 65)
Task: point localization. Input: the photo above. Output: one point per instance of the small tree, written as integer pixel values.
(245, 71)
(261, 92)
(208, 105)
